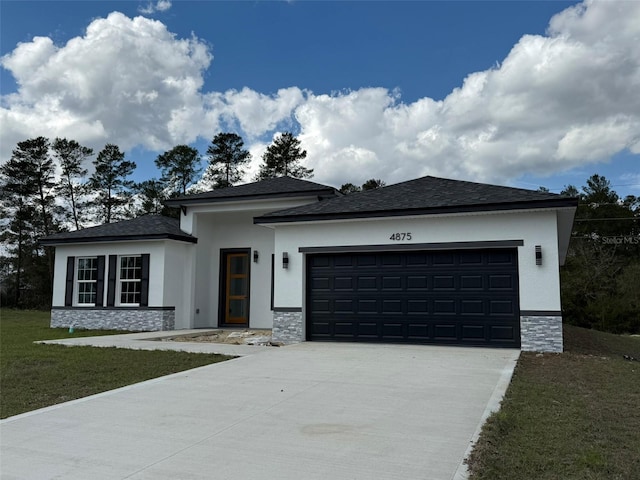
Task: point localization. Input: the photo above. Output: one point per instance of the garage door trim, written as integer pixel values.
(415, 246)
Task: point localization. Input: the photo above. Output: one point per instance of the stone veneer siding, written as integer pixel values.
(538, 333)
(132, 319)
(287, 325)
(541, 333)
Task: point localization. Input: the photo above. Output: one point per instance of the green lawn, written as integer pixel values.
(567, 416)
(34, 376)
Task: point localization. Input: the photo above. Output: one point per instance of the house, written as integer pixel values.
(430, 260)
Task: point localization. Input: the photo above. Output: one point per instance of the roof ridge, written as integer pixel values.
(421, 196)
(271, 187)
(472, 182)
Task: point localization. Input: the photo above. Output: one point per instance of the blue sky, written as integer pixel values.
(516, 93)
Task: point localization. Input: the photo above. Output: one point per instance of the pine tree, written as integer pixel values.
(227, 157)
(71, 157)
(152, 194)
(21, 256)
(30, 174)
(348, 188)
(180, 168)
(598, 205)
(373, 184)
(28, 207)
(110, 184)
(282, 159)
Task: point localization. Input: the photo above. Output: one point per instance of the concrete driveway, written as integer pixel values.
(308, 411)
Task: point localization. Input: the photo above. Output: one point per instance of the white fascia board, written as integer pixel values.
(260, 205)
(109, 242)
(409, 217)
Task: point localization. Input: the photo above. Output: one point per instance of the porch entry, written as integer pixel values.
(234, 287)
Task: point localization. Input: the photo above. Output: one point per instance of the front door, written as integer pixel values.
(235, 288)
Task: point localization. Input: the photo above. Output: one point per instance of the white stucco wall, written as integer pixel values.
(539, 285)
(218, 231)
(178, 273)
(165, 269)
(156, 265)
(223, 225)
(256, 207)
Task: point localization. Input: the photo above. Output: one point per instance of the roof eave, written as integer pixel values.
(526, 205)
(118, 238)
(185, 201)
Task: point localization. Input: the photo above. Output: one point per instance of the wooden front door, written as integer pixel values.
(236, 288)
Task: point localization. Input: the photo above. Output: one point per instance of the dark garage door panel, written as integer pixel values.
(451, 297)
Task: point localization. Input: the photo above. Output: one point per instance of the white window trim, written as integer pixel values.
(119, 281)
(77, 282)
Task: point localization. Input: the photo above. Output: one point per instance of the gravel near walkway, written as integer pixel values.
(230, 337)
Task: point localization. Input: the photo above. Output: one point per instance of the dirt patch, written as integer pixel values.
(231, 337)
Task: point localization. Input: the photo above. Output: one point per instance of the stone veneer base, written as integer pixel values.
(541, 333)
(287, 326)
(136, 320)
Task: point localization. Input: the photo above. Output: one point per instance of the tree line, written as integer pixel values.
(45, 188)
(600, 281)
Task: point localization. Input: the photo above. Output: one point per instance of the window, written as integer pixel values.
(130, 279)
(87, 280)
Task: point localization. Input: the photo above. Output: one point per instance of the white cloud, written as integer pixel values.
(163, 5)
(557, 101)
(126, 81)
(253, 112)
(159, 6)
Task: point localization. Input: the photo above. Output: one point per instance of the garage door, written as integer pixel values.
(467, 297)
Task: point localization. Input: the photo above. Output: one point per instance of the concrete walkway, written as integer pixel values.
(154, 341)
(308, 411)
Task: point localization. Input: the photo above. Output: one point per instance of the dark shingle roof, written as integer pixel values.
(426, 195)
(273, 187)
(148, 227)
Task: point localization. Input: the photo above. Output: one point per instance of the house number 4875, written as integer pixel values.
(400, 236)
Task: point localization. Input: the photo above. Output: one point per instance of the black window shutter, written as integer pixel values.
(273, 263)
(68, 292)
(100, 282)
(111, 280)
(144, 282)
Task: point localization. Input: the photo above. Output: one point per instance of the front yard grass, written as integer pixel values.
(34, 376)
(566, 416)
